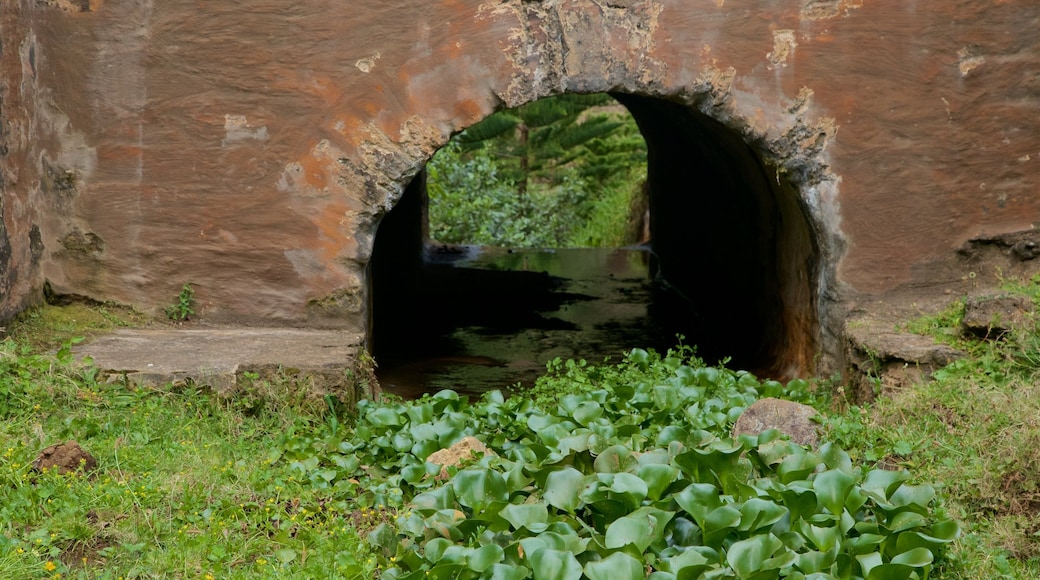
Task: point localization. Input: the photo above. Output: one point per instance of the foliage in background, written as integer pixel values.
(561, 171)
(184, 306)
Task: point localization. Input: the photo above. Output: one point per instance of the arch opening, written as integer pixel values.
(733, 250)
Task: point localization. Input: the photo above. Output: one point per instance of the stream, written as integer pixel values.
(491, 318)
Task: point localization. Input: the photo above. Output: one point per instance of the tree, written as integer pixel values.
(567, 159)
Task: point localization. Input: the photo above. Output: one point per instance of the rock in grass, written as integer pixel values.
(995, 316)
(790, 418)
(466, 449)
(66, 458)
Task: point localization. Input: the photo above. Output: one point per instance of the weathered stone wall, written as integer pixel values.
(252, 146)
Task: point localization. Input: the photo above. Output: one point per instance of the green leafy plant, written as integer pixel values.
(184, 307)
(625, 472)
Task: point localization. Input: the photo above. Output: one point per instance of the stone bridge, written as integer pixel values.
(807, 158)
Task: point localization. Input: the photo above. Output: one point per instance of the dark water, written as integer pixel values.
(490, 318)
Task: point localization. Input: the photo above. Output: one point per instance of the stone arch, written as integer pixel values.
(760, 266)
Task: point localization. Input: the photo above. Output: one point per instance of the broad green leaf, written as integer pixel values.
(587, 412)
(882, 483)
(719, 523)
(687, 565)
(617, 566)
(285, 555)
(890, 572)
(532, 516)
(749, 556)
(907, 520)
(800, 501)
(435, 548)
(507, 572)
(485, 557)
(759, 513)
(629, 488)
(797, 467)
(699, 499)
(641, 528)
(832, 487)
(548, 564)
(476, 488)
(615, 459)
(917, 557)
(658, 478)
(563, 489)
(919, 496)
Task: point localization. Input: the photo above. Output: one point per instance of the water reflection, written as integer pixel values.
(488, 318)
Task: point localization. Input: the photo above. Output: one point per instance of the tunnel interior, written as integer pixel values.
(734, 252)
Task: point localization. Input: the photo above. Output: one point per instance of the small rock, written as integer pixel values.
(66, 458)
(790, 418)
(467, 448)
(995, 316)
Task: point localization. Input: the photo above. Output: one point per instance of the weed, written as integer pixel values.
(184, 307)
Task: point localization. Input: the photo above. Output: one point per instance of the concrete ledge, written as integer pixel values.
(217, 357)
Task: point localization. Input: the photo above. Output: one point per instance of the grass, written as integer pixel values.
(188, 486)
(192, 485)
(974, 429)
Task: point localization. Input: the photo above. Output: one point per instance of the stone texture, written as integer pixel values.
(467, 449)
(993, 316)
(882, 359)
(790, 418)
(251, 147)
(217, 357)
(66, 457)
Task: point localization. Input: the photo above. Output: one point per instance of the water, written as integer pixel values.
(490, 318)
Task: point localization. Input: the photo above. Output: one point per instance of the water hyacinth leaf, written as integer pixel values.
(384, 417)
(684, 532)
(476, 488)
(629, 489)
(907, 520)
(445, 571)
(813, 561)
(891, 572)
(485, 557)
(671, 433)
(832, 487)
(797, 467)
(615, 459)
(658, 478)
(719, 523)
(917, 496)
(532, 516)
(881, 484)
(666, 397)
(548, 564)
(868, 562)
(758, 513)
(587, 412)
(917, 557)
(699, 499)
(641, 528)
(756, 555)
(435, 499)
(824, 538)
(563, 489)
(617, 566)
(435, 548)
(507, 572)
(800, 501)
(865, 543)
(835, 457)
(690, 564)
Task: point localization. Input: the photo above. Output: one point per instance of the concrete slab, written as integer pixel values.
(217, 357)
